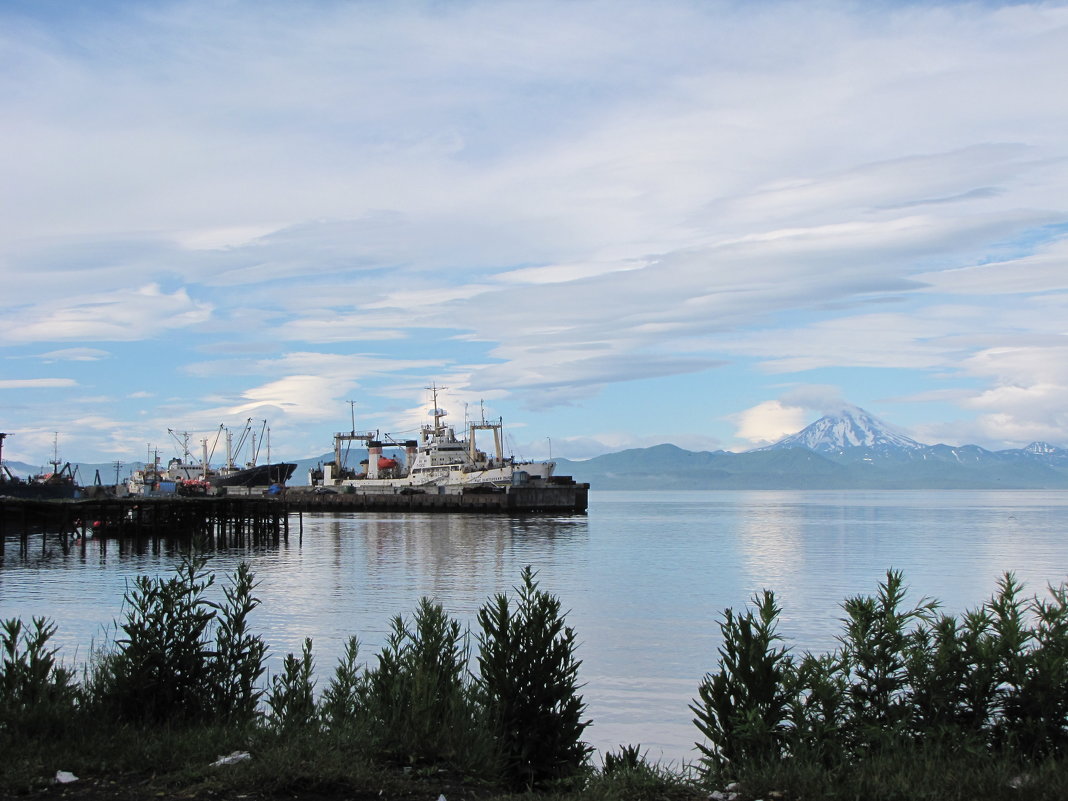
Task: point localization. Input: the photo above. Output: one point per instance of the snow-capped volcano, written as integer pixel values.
(851, 427)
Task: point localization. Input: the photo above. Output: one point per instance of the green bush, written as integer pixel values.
(907, 682)
(874, 653)
(168, 667)
(913, 703)
(418, 699)
(817, 709)
(629, 775)
(1035, 701)
(238, 661)
(528, 685)
(37, 695)
(743, 707)
(953, 675)
(343, 705)
(291, 699)
(160, 670)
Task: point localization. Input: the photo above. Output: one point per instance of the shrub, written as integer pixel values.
(628, 774)
(1036, 700)
(343, 704)
(953, 674)
(418, 700)
(907, 683)
(160, 670)
(875, 655)
(744, 706)
(168, 667)
(238, 661)
(817, 709)
(528, 684)
(37, 695)
(291, 699)
(629, 759)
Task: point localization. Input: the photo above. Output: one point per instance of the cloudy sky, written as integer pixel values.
(614, 224)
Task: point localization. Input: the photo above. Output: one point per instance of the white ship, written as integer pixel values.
(438, 462)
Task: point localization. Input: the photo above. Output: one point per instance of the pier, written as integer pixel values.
(218, 521)
(564, 497)
(252, 519)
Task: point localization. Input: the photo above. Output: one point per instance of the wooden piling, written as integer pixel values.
(220, 522)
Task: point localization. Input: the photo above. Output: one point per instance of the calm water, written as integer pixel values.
(645, 576)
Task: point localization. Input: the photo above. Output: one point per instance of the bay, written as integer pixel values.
(645, 575)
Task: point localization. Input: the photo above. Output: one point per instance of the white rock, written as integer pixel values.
(65, 777)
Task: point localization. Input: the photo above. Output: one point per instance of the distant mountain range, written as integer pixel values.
(846, 450)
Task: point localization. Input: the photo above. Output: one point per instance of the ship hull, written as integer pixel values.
(259, 476)
(39, 492)
(556, 498)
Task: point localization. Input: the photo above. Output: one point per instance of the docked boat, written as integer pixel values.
(254, 475)
(440, 462)
(59, 483)
(185, 476)
(56, 485)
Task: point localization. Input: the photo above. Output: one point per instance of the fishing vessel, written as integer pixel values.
(439, 461)
(185, 476)
(59, 483)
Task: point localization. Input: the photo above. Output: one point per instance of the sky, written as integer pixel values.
(612, 224)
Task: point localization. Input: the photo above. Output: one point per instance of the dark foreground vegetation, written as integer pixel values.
(913, 704)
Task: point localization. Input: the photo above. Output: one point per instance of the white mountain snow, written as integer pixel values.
(851, 427)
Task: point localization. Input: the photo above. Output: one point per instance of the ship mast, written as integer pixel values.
(487, 426)
(182, 438)
(352, 436)
(437, 412)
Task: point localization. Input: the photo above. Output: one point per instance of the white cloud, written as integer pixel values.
(125, 315)
(37, 383)
(768, 422)
(868, 340)
(564, 273)
(326, 327)
(75, 355)
(820, 398)
(315, 396)
(1044, 271)
(222, 238)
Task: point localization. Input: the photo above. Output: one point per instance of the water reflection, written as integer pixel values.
(771, 537)
(644, 575)
(354, 573)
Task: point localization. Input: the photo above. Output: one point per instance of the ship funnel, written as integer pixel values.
(374, 453)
